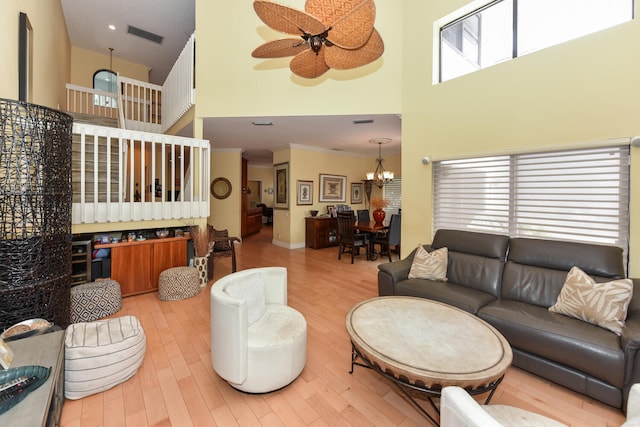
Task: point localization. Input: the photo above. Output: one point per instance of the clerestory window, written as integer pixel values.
(500, 30)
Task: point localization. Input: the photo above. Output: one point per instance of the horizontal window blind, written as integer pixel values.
(574, 195)
(392, 193)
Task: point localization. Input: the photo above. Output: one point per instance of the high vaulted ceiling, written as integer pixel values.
(174, 20)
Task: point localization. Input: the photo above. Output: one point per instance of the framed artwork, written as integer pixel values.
(305, 192)
(333, 188)
(357, 188)
(281, 184)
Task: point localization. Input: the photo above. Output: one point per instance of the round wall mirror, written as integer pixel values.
(220, 188)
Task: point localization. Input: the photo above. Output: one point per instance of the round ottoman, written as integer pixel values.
(99, 355)
(95, 300)
(178, 283)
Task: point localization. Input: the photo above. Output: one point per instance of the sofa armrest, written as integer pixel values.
(630, 340)
(391, 273)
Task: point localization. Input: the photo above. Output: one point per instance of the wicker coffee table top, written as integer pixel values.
(428, 344)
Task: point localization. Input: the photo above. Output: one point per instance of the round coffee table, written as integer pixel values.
(427, 345)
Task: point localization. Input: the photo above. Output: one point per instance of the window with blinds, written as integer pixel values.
(392, 193)
(577, 195)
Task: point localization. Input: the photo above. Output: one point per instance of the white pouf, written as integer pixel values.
(99, 355)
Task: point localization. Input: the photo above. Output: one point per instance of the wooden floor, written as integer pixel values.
(176, 385)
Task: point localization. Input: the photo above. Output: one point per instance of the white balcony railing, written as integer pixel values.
(122, 175)
(144, 106)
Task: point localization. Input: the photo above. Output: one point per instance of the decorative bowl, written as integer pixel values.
(162, 233)
(313, 212)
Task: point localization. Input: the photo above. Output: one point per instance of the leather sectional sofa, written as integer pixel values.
(511, 283)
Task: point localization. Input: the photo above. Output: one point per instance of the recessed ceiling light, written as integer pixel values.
(262, 123)
(112, 27)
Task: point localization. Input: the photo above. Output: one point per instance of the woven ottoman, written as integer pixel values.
(95, 300)
(99, 355)
(178, 283)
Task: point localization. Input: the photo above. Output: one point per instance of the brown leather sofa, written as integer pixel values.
(511, 283)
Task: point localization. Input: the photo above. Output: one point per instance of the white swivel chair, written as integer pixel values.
(459, 409)
(258, 343)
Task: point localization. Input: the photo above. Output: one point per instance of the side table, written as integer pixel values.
(43, 406)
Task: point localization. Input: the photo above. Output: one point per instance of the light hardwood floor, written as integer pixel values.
(176, 385)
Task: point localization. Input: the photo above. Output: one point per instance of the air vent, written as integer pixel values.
(362, 121)
(145, 34)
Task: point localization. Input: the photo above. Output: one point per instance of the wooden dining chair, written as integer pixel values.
(221, 245)
(349, 241)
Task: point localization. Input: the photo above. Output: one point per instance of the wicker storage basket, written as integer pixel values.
(35, 213)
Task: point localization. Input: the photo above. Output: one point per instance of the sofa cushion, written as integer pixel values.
(481, 244)
(429, 265)
(596, 260)
(603, 304)
(460, 296)
(559, 338)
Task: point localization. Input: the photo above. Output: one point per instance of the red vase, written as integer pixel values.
(378, 216)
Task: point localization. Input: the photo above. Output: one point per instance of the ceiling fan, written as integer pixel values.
(334, 34)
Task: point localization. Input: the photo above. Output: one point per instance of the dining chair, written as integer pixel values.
(390, 237)
(348, 240)
(363, 215)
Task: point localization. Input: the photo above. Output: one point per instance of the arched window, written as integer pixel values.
(106, 81)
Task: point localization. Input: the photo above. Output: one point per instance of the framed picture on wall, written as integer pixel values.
(305, 192)
(357, 188)
(333, 188)
(281, 184)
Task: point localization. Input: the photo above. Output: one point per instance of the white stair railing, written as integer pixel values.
(178, 89)
(181, 166)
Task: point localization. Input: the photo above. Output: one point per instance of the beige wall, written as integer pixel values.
(568, 95)
(84, 63)
(225, 213)
(51, 51)
(232, 83)
(307, 164)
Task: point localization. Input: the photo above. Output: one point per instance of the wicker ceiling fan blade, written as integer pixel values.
(351, 22)
(280, 48)
(286, 19)
(343, 59)
(309, 65)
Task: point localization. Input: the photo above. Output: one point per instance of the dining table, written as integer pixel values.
(372, 228)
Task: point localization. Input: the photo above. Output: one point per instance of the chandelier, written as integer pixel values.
(380, 177)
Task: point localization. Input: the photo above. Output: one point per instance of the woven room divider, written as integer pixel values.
(35, 213)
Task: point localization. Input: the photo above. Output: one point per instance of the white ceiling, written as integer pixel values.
(87, 24)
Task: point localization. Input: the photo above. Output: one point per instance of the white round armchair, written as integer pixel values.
(258, 343)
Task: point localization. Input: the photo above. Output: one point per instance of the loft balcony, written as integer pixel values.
(124, 167)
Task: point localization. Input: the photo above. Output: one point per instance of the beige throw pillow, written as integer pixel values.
(603, 304)
(429, 265)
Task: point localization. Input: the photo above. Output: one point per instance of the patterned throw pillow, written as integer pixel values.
(603, 304)
(429, 265)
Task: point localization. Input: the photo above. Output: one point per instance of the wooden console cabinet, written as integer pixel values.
(253, 222)
(43, 406)
(321, 232)
(137, 265)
